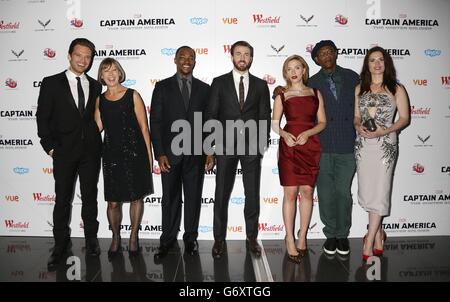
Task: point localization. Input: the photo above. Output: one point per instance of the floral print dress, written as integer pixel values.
(376, 157)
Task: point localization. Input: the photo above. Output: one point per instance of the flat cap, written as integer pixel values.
(319, 45)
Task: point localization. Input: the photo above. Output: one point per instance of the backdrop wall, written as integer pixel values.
(143, 36)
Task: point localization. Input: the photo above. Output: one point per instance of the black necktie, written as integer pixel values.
(241, 93)
(185, 93)
(80, 96)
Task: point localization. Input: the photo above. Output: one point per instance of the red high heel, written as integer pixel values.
(378, 252)
(365, 257)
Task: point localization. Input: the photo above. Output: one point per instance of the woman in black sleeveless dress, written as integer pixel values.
(127, 157)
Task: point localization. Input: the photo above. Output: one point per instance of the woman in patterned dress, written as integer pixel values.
(377, 97)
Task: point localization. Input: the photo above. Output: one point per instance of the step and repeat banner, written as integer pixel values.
(144, 35)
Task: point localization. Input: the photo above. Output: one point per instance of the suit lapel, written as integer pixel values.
(178, 98)
(232, 88)
(91, 91)
(69, 97)
(194, 91)
(251, 91)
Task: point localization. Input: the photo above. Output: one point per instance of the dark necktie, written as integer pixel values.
(80, 96)
(332, 85)
(241, 93)
(185, 93)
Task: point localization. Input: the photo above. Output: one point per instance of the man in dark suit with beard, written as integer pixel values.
(68, 133)
(179, 99)
(240, 104)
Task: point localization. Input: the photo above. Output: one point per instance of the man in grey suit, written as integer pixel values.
(240, 104)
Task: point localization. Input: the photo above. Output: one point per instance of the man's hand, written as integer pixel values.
(210, 162)
(163, 162)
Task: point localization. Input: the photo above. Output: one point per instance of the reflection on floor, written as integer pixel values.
(405, 259)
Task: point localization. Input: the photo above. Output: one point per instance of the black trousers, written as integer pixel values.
(225, 176)
(65, 171)
(188, 174)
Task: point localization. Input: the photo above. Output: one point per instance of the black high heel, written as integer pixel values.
(293, 258)
(301, 252)
(134, 253)
(113, 253)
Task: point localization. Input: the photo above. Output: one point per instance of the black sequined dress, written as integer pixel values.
(126, 167)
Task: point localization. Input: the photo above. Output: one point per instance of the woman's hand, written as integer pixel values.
(302, 138)
(290, 139)
(368, 134)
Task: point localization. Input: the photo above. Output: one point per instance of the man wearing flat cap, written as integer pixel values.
(337, 162)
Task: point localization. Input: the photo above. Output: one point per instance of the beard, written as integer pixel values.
(244, 68)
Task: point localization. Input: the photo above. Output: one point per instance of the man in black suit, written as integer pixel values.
(68, 133)
(240, 102)
(180, 98)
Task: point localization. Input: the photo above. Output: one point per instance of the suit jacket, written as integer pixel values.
(224, 106)
(60, 125)
(167, 107)
(339, 135)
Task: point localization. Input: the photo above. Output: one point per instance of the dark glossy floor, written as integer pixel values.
(406, 259)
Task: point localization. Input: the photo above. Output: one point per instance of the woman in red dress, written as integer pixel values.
(299, 149)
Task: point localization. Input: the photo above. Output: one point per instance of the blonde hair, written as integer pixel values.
(304, 65)
(106, 64)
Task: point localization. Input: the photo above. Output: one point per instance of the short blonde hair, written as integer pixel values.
(305, 66)
(106, 64)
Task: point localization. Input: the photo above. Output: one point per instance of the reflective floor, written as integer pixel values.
(406, 259)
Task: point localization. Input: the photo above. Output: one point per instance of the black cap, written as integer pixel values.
(319, 46)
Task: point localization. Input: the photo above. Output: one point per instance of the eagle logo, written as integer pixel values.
(306, 19)
(277, 50)
(423, 140)
(17, 54)
(44, 24)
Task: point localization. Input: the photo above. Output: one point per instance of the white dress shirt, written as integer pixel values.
(73, 86)
(237, 79)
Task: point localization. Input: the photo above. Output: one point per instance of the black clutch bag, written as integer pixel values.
(370, 125)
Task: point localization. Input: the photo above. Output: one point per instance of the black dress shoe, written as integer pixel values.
(54, 260)
(59, 251)
(191, 247)
(163, 250)
(254, 246)
(92, 247)
(218, 249)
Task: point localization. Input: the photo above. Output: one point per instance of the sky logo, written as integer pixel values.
(275, 171)
(21, 170)
(129, 83)
(205, 228)
(168, 51)
(432, 52)
(199, 20)
(237, 200)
